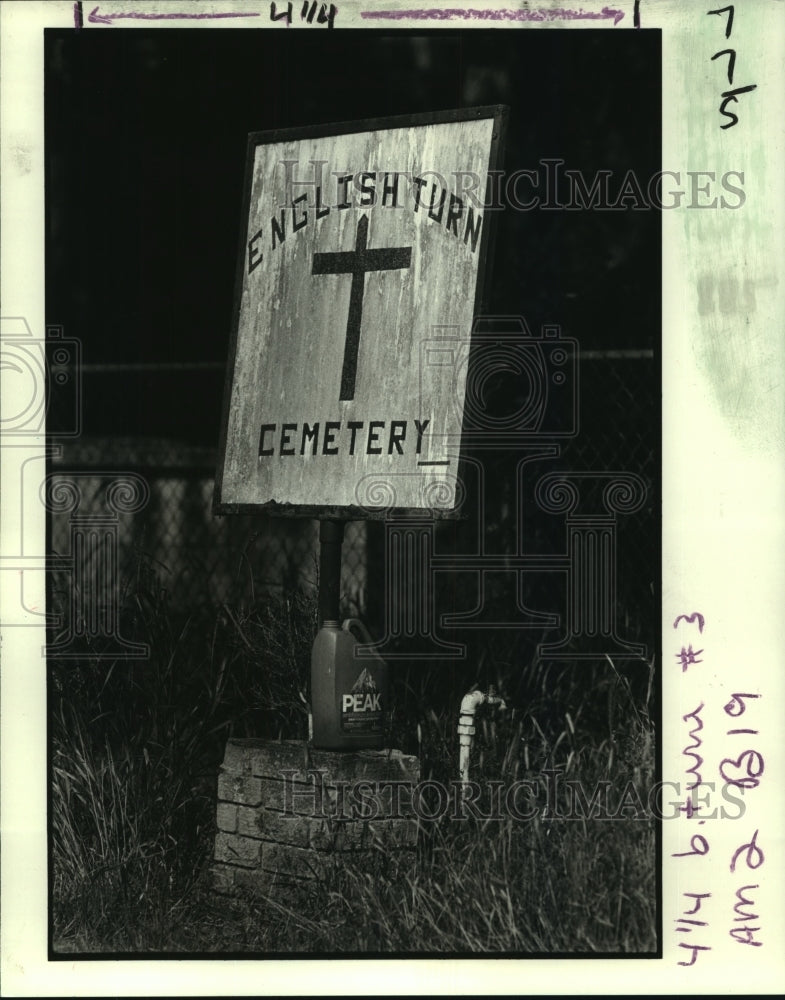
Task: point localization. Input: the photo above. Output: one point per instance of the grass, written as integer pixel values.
(135, 748)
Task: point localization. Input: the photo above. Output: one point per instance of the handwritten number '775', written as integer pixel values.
(729, 96)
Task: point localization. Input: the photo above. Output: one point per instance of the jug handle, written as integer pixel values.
(347, 627)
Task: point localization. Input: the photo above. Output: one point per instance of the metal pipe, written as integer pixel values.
(470, 703)
(330, 541)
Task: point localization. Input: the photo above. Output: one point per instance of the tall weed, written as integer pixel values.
(135, 748)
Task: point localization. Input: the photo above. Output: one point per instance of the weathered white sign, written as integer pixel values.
(362, 249)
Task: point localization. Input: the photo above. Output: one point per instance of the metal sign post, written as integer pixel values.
(330, 542)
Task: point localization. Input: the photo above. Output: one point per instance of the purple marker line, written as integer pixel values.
(472, 14)
(95, 18)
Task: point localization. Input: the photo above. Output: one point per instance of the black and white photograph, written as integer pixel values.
(390, 686)
(387, 432)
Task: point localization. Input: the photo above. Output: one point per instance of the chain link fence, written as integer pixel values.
(200, 559)
(204, 561)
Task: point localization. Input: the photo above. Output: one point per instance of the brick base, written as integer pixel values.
(288, 815)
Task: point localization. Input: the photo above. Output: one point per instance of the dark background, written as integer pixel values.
(145, 148)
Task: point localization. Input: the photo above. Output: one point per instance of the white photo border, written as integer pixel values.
(723, 505)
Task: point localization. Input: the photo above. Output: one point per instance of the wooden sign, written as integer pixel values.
(362, 250)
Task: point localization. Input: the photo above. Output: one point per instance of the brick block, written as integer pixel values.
(267, 759)
(226, 817)
(236, 850)
(237, 758)
(264, 824)
(281, 826)
(300, 797)
(295, 797)
(249, 821)
(241, 790)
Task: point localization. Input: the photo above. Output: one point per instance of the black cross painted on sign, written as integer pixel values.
(357, 262)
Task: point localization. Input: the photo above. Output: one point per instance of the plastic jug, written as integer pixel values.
(349, 695)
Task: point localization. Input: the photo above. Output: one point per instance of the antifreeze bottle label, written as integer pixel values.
(361, 709)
